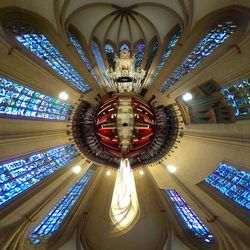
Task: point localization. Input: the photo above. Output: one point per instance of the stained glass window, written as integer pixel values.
(99, 60)
(38, 44)
(238, 96)
(17, 100)
(217, 35)
(16, 176)
(191, 221)
(170, 46)
(52, 222)
(139, 54)
(74, 41)
(124, 46)
(110, 53)
(233, 183)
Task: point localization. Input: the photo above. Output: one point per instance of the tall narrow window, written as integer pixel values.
(238, 97)
(170, 46)
(152, 54)
(16, 176)
(139, 54)
(232, 183)
(74, 41)
(99, 60)
(191, 221)
(217, 35)
(54, 219)
(38, 44)
(19, 101)
(110, 53)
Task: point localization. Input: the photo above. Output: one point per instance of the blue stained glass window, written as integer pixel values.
(218, 35)
(233, 183)
(124, 46)
(38, 44)
(139, 54)
(52, 222)
(99, 60)
(192, 222)
(110, 53)
(238, 96)
(16, 176)
(17, 100)
(170, 46)
(81, 53)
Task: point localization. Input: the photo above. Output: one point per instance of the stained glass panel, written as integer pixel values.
(110, 53)
(238, 97)
(192, 222)
(99, 60)
(17, 100)
(233, 183)
(152, 54)
(16, 176)
(38, 44)
(124, 46)
(218, 35)
(139, 54)
(74, 41)
(170, 46)
(52, 222)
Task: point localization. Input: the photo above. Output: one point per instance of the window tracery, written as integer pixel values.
(191, 221)
(38, 44)
(19, 101)
(215, 37)
(139, 54)
(17, 176)
(74, 41)
(169, 48)
(232, 183)
(54, 219)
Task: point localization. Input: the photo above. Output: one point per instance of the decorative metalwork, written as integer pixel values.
(19, 101)
(139, 54)
(55, 218)
(38, 44)
(191, 221)
(170, 46)
(217, 35)
(232, 183)
(74, 41)
(17, 176)
(110, 53)
(99, 60)
(238, 96)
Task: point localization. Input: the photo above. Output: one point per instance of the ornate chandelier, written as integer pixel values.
(125, 77)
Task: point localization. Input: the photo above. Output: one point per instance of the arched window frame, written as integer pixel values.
(110, 59)
(15, 16)
(236, 14)
(231, 205)
(99, 58)
(181, 227)
(66, 225)
(74, 34)
(7, 169)
(139, 55)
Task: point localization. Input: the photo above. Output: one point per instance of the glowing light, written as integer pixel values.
(187, 97)
(76, 169)
(108, 173)
(124, 206)
(171, 168)
(64, 96)
(141, 172)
